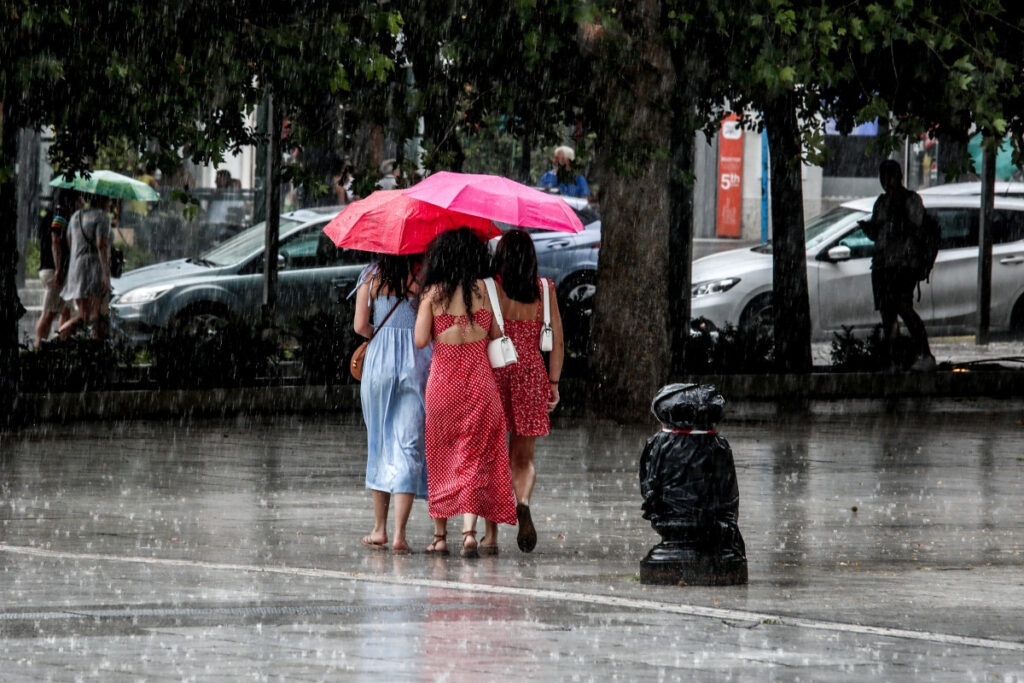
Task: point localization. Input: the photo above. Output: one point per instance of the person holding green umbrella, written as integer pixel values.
(88, 279)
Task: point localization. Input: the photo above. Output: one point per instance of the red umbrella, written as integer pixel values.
(388, 222)
(498, 199)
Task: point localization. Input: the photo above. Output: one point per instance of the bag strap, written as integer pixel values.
(378, 327)
(492, 294)
(547, 302)
(81, 229)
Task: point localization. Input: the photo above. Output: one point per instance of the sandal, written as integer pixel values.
(403, 549)
(485, 548)
(432, 549)
(469, 551)
(375, 545)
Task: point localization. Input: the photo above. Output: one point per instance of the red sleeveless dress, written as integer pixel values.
(467, 453)
(524, 386)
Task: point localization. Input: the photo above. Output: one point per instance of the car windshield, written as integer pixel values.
(243, 244)
(821, 227)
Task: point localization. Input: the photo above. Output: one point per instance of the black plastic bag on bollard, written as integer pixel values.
(690, 493)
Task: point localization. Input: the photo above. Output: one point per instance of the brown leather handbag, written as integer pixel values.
(355, 365)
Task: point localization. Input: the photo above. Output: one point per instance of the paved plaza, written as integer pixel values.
(881, 546)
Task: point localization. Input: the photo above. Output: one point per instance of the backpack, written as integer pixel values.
(925, 241)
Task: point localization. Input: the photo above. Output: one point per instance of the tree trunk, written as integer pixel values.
(789, 256)
(631, 340)
(28, 195)
(10, 305)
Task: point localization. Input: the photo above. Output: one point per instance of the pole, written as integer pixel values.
(271, 238)
(766, 175)
(988, 187)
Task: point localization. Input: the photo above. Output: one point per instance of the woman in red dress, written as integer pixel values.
(467, 455)
(529, 390)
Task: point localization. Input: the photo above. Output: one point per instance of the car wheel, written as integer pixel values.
(202, 324)
(576, 304)
(758, 315)
(194, 349)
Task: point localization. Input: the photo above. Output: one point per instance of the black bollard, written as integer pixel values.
(688, 482)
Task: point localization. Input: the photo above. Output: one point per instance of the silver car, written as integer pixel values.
(228, 279)
(735, 287)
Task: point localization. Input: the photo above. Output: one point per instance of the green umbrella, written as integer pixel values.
(108, 184)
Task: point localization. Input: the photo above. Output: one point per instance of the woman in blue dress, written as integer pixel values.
(393, 383)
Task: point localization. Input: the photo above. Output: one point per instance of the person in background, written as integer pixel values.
(897, 214)
(54, 254)
(390, 174)
(392, 392)
(342, 184)
(88, 281)
(529, 390)
(564, 177)
(467, 453)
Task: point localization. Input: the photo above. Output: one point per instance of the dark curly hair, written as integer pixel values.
(515, 262)
(393, 272)
(454, 258)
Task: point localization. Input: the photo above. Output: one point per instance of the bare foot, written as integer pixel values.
(376, 543)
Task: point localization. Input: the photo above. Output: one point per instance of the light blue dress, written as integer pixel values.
(394, 380)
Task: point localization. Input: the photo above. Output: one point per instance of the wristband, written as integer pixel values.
(552, 381)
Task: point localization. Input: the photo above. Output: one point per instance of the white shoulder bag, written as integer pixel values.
(547, 335)
(500, 351)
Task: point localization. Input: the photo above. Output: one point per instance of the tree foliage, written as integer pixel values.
(133, 70)
(477, 63)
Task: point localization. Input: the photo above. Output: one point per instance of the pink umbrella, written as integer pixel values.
(388, 222)
(496, 198)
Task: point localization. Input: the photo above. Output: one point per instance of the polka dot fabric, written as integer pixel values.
(467, 452)
(524, 385)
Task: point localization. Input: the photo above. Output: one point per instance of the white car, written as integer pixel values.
(735, 287)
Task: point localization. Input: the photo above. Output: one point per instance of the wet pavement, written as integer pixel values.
(880, 545)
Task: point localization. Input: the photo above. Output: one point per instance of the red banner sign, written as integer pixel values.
(730, 178)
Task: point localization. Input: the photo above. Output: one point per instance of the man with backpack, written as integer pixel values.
(904, 253)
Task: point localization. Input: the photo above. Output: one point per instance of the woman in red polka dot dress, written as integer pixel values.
(467, 455)
(529, 390)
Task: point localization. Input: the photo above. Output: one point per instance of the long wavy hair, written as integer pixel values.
(395, 271)
(515, 263)
(455, 258)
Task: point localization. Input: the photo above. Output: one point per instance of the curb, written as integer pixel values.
(870, 385)
(141, 404)
(819, 392)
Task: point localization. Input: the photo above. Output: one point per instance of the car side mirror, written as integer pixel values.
(840, 252)
(282, 261)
